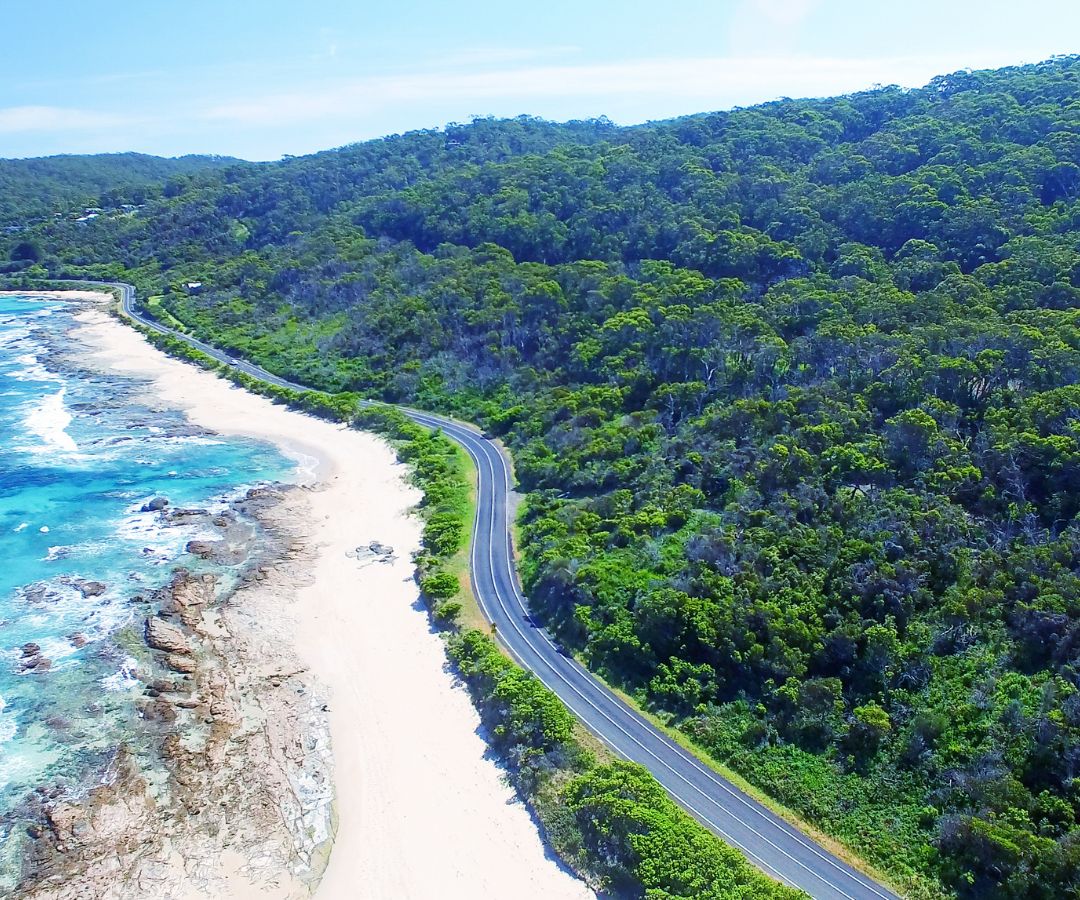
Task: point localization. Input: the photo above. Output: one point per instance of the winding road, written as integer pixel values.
(776, 847)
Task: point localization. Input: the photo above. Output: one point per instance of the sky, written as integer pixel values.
(259, 79)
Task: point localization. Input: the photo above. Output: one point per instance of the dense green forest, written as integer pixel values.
(793, 392)
(31, 189)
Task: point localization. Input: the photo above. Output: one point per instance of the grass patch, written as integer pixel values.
(459, 565)
(159, 313)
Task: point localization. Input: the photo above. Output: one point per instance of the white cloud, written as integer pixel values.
(19, 119)
(710, 82)
(481, 56)
(330, 41)
(787, 13)
(320, 112)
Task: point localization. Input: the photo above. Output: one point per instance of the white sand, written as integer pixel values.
(423, 813)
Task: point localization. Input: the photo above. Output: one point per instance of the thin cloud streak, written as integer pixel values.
(710, 81)
(786, 13)
(322, 113)
(482, 56)
(21, 119)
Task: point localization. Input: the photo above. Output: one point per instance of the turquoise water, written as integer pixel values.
(80, 453)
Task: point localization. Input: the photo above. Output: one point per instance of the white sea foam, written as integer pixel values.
(190, 439)
(32, 370)
(160, 543)
(307, 465)
(8, 726)
(48, 420)
(88, 550)
(56, 649)
(125, 678)
(44, 311)
(22, 526)
(12, 335)
(63, 611)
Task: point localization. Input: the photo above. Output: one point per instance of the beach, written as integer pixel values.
(333, 637)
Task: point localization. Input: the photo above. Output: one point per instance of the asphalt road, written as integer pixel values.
(772, 844)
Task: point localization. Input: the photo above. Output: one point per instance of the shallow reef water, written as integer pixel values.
(81, 454)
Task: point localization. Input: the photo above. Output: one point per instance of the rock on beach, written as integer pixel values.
(165, 637)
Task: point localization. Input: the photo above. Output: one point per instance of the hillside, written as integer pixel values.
(31, 189)
(794, 393)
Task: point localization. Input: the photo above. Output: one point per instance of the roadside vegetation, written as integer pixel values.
(610, 821)
(793, 392)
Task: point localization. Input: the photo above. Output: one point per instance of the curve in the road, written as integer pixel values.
(771, 843)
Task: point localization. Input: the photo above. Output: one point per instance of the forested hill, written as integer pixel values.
(794, 392)
(31, 189)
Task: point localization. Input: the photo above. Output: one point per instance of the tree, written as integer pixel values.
(26, 251)
(440, 585)
(868, 728)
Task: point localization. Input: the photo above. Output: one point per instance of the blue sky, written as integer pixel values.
(262, 78)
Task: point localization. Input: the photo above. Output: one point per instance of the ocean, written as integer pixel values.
(81, 454)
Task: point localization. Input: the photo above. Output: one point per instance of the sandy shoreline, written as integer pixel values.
(421, 811)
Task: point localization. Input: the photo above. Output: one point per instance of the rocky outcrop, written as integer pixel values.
(183, 664)
(31, 661)
(188, 596)
(185, 516)
(237, 740)
(201, 549)
(373, 553)
(258, 500)
(90, 588)
(225, 553)
(384, 551)
(36, 594)
(168, 638)
(155, 505)
(67, 834)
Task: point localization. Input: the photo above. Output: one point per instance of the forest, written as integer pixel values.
(31, 189)
(793, 394)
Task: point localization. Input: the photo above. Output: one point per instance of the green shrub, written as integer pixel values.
(440, 585)
(447, 612)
